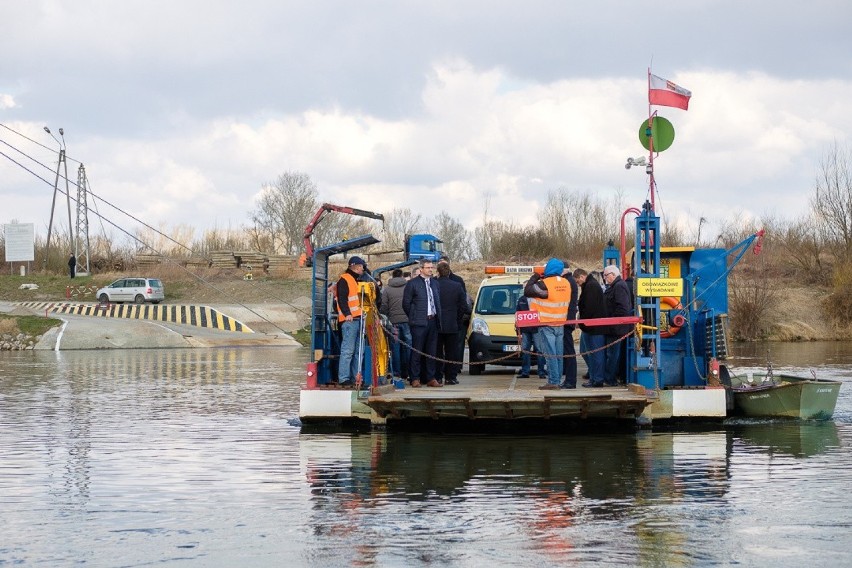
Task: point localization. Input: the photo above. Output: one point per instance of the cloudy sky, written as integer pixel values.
(181, 110)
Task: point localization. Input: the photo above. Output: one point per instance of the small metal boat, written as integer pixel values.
(784, 396)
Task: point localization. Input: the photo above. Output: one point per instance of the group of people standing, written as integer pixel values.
(427, 313)
(434, 309)
(559, 295)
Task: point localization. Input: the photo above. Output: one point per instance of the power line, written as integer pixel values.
(102, 218)
(36, 142)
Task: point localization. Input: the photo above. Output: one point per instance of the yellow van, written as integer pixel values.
(491, 335)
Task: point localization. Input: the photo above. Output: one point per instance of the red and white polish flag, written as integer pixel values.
(665, 93)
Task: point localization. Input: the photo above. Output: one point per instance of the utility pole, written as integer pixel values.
(62, 162)
(81, 242)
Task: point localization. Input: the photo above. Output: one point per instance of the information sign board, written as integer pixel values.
(20, 242)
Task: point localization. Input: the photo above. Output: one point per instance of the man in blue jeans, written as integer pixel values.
(349, 313)
(550, 296)
(528, 336)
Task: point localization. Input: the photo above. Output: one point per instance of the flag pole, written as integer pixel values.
(650, 169)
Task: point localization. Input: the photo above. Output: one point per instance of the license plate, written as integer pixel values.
(511, 348)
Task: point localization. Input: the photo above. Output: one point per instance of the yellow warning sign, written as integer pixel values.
(659, 287)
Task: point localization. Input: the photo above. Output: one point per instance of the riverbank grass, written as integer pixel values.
(28, 325)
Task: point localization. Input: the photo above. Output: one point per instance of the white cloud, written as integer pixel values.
(435, 116)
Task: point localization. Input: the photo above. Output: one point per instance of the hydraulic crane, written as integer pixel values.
(324, 209)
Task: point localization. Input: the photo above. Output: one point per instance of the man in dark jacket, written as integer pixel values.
(421, 302)
(462, 333)
(453, 309)
(617, 300)
(591, 306)
(391, 307)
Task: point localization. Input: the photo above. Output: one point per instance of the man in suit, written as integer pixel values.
(421, 301)
(453, 308)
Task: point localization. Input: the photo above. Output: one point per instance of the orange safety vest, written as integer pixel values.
(554, 308)
(352, 300)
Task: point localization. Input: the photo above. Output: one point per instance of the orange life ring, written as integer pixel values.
(673, 304)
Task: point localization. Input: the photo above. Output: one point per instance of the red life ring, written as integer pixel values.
(673, 304)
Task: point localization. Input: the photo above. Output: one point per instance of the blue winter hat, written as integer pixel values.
(357, 260)
(554, 267)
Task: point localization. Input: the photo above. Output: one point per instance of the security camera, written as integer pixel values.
(634, 162)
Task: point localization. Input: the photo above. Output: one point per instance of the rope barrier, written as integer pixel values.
(511, 354)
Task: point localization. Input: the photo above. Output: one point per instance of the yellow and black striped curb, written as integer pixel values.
(200, 316)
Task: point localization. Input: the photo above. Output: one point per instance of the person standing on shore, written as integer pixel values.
(72, 265)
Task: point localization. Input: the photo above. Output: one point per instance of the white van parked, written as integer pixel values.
(136, 290)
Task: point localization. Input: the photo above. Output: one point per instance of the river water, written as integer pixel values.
(195, 457)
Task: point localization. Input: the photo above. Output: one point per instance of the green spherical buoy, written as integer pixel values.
(662, 132)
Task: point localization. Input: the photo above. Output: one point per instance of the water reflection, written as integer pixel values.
(547, 491)
(797, 439)
(140, 455)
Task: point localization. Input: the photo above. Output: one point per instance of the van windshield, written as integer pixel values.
(498, 299)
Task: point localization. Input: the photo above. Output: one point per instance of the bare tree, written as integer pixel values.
(283, 211)
(398, 223)
(457, 242)
(336, 227)
(736, 229)
(673, 236)
(525, 245)
(489, 235)
(753, 295)
(832, 199)
(579, 223)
